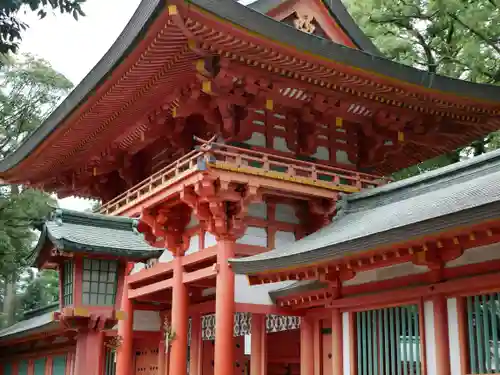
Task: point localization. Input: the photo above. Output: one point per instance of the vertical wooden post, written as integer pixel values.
(337, 343)
(48, 365)
(161, 357)
(178, 351)
(125, 353)
(90, 353)
(195, 360)
(224, 309)
(441, 335)
(306, 346)
(258, 357)
(318, 363)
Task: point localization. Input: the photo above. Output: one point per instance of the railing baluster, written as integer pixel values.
(494, 327)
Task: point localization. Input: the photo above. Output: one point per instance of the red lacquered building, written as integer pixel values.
(248, 225)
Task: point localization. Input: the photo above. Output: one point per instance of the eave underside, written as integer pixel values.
(149, 83)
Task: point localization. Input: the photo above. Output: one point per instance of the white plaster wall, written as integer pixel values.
(386, 273)
(279, 144)
(477, 255)
(322, 153)
(210, 240)
(286, 213)
(455, 363)
(194, 244)
(256, 294)
(258, 210)
(346, 344)
(282, 238)
(430, 338)
(166, 257)
(254, 236)
(146, 320)
(257, 139)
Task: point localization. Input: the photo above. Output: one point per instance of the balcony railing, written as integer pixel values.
(242, 160)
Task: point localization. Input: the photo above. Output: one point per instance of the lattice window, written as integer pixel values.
(483, 329)
(59, 365)
(39, 366)
(99, 282)
(67, 277)
(110, 362)
(279, 323)
(22, 367)
(388, 341)
(243, 324)
(7, 369)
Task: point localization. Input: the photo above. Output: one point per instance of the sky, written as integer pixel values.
(74, 47)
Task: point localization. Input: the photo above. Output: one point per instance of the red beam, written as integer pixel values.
(199, 256)
(144, 275)
(150, 289)
(201, 274)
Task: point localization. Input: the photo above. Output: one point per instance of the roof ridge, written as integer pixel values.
(62, 216)
(467, 167)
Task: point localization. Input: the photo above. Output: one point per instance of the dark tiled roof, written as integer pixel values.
(339, 14)
(38, 323)
(88, 232)
(461, 194)
(259, 24)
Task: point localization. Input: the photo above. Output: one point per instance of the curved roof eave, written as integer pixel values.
(258, 24)
(139, 22)
(338, 12)
(327, 50)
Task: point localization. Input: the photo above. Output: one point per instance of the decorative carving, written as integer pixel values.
(164, 226)
(220, 206)
(243, 324)
(304, 22)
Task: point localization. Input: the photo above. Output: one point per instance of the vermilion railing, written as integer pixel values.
(242, 160)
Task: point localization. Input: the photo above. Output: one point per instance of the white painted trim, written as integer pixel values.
(346, 343)
(453, 329)
(430, 338)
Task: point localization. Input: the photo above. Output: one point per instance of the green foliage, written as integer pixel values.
(38, 289)
(11, 27)
(29, 91)
(456, 38)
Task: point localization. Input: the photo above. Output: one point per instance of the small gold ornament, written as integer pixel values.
(304, 23)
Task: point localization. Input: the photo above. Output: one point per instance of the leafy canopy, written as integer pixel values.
(11, 27)
(455, 38)
(29, 91)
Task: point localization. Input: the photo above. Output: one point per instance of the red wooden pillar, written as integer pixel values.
(178, 351)
(306, 346)
(195, 361)
(90, 353)
(337, 343)
(258, 357)
(441, 335)
(125, 353)
(161, 357)
(224, 310)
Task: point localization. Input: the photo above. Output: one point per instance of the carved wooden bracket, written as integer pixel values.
(220, 206)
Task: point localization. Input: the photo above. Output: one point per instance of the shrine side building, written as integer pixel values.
(248, 224)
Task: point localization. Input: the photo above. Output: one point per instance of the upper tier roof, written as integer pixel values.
(462, 194)
(119, 91)
(337, 12)
(83, 232)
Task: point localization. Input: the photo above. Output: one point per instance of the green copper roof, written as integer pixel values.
(94, 233)
(462, 194)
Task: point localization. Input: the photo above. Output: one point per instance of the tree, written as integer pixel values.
(11, 26)
(456, 38)
(29, 90)
(38, 289)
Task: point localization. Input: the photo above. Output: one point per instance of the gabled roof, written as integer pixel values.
(40, 321)
(83, 232)
(461, 194)
(340, 16)
(36, 158)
